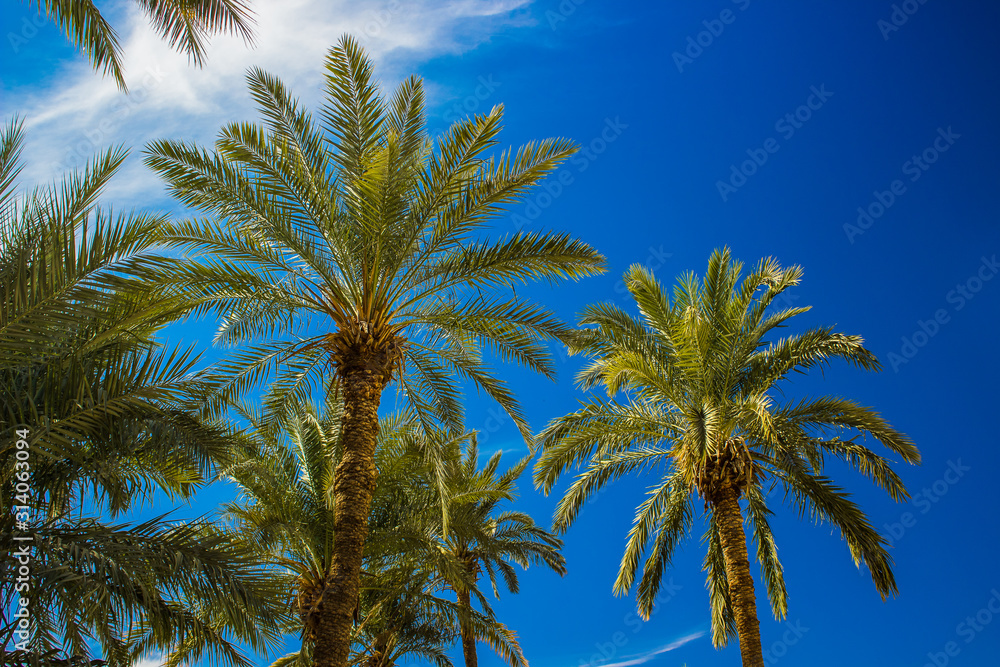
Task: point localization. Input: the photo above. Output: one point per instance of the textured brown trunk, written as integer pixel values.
(734, 551)
(468, 636)
(354, 482)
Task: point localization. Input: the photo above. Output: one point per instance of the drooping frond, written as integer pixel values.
(184, 24)
(113, 416)
(361, 226)
(692, 384)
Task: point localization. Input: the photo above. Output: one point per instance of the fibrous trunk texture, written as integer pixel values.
(741, 592)
(468, 636)
(354, 483)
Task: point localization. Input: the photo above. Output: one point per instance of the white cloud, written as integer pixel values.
(150, 662)
(80, 112)
(642, 658)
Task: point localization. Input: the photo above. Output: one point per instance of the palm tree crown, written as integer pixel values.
(359, 243)
(107, 416)
(481, 537)
(700, 373)
(284, 468)
(363, 224)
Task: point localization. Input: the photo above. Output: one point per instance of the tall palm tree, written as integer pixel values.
(106, 416)
(359, 243)
(700, 375)
(480, 537)
(185, 24)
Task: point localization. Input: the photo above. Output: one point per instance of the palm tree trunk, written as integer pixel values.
(354, 483)
(468, 636)
(741, 593)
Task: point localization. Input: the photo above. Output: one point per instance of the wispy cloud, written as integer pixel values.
(78, 112)
(642, 658)
(150, 662)
(508, 448)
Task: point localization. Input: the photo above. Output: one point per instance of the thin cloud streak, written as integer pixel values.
(642, 658)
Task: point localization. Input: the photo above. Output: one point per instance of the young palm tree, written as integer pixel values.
(284, 469)
(106, 416)
(410, 563)
(402, 621)
(185, 24)
(701, 374)
(360, 243)
(480, 537)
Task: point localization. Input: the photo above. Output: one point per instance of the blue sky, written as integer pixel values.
(762, 127)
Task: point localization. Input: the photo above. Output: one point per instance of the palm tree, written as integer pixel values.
(700, 375)
(284, 468)
(105, 416)
(432, 525)
(185, 24)
(481, 538)
(405, 625)
(360, 244)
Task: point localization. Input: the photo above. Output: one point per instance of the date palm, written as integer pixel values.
(402, 622)
(482, 538)
(701, 375)
(109, 416)
(185, 24)
(284, 469)
(359, 244)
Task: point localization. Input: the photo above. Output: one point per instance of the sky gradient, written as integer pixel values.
(855, 138)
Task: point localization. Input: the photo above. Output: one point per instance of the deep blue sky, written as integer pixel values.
(652, 196)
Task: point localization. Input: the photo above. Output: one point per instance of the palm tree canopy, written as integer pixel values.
(694, 400)
(284, 467)
(482, 534)
(362, 226)
(107, 416)
(184, 24)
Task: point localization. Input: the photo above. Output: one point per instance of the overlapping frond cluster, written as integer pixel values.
(482, 535)
(111, 416)
(692, 401)
(354, 238)
(284, 470)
